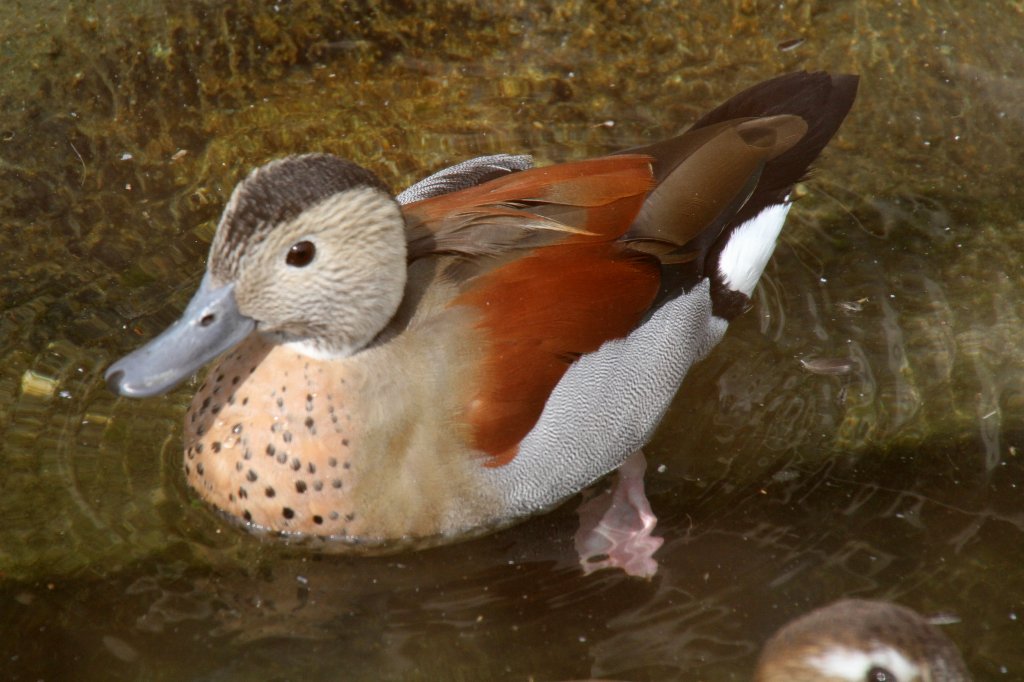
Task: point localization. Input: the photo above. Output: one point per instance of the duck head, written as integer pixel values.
(861, 640)
(310, 252)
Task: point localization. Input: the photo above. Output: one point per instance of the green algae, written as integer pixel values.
(125, 129)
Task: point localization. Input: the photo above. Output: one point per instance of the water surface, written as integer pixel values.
(857, 433)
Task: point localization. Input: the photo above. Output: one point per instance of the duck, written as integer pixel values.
(860, 640)
(415, 369)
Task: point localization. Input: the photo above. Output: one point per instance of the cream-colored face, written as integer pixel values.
(328, 280)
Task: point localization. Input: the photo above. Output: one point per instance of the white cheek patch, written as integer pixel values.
(315, 352)
(749, 248)
(853, 664)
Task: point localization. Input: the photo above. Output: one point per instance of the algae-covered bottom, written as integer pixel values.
(857, 433)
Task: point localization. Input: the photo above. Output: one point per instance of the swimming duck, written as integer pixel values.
(857, 640)
(422, 368)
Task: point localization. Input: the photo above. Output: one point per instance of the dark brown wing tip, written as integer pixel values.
(822, 99)
(796, 115)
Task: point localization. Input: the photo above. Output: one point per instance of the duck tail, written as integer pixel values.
(723, 186)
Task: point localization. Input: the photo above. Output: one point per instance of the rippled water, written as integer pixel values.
(858, 433)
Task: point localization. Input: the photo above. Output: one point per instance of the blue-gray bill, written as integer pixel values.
(210, 325)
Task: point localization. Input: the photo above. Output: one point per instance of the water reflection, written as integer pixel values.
(779, 489)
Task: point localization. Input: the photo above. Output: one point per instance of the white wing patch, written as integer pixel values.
(749, 248)
(853, 664)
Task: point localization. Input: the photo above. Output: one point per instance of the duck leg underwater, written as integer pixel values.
(409, 371)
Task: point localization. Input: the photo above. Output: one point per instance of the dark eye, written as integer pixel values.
(301, 254)
(878, 674)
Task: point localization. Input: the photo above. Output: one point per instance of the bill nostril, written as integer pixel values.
(207, 320)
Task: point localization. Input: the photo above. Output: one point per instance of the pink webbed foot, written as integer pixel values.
(616, 525)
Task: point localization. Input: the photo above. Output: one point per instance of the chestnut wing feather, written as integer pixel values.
(551, 280)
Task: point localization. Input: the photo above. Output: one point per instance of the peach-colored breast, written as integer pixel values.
(371, 449)
(270, 442)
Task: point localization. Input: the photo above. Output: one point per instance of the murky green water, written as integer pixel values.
(779, 489)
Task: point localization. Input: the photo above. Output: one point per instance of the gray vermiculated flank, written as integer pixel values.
(466, 174)
(609, 403)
